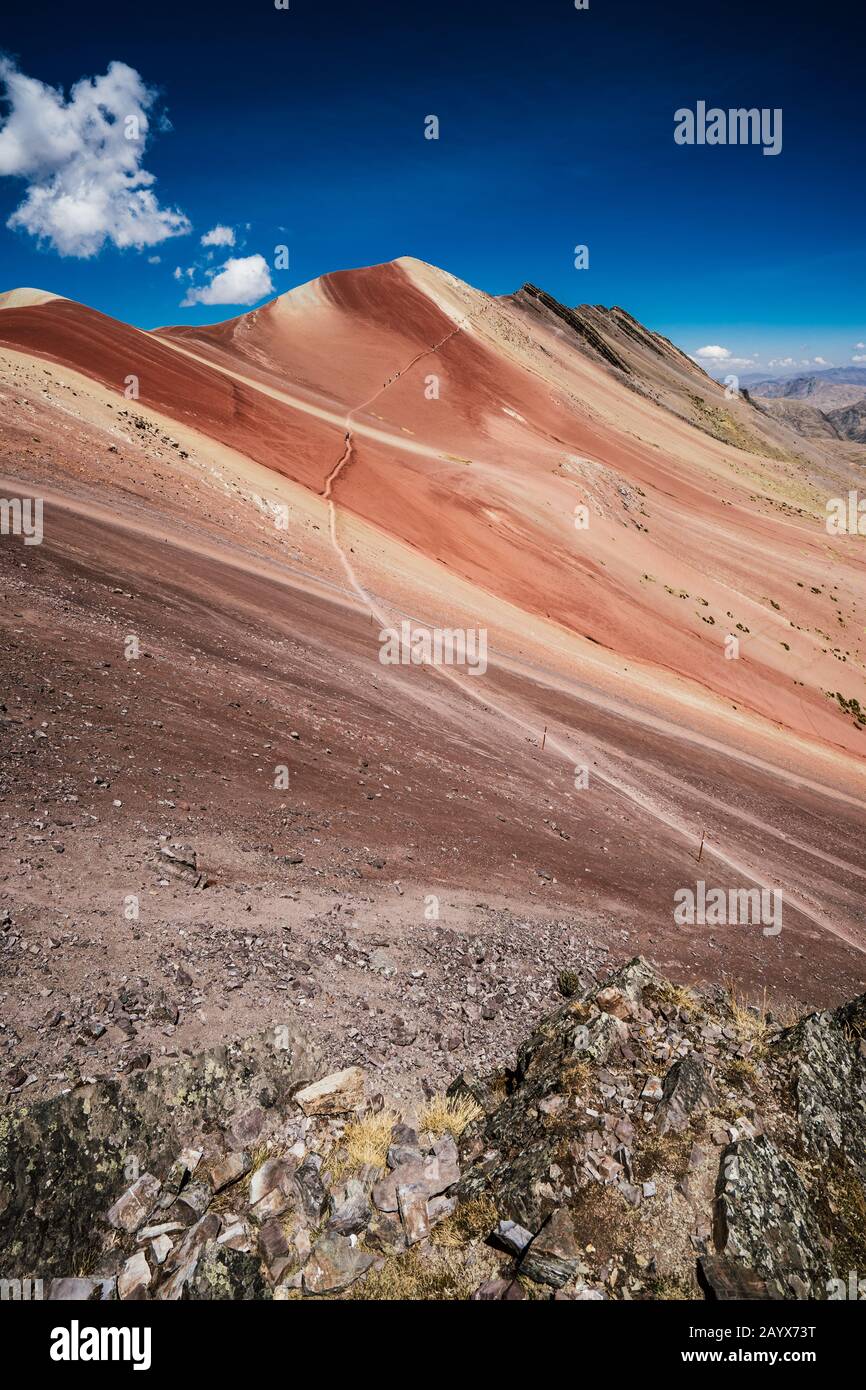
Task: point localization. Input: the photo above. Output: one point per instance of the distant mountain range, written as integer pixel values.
(836, 386)
(832, 402)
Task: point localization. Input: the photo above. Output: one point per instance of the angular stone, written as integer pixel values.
(726, 1280)
(351, 1208)
(180, 1172)
(166, 1228)
(273, 1173)
(400, 1154)
(435, 1173)
(309, 1186)
(337, 1094)
(440, 1207)
(273, 1244)
(237, 1236)
(412, 1206)
(228, 1275)
(613, 1001)
(508, 1235)
(445, 1149)
(134, 1279)
(82, 1290)
(160, 1248)
(334, 1264)
(229, 1169)
(385, 1233)
(274, 1203)
(183, 1260)
(192, 1203)
(132, 1209)
(686, 1091)
(554, 1255)
(498, 1290)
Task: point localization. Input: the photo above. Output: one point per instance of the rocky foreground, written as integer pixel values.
(650, 1142)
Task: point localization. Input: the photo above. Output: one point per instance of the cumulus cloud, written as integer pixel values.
(860, 345)
(859, 357)
(821, 362)
(219, 236)
(242, 280)
(81, 159)
(715, 356)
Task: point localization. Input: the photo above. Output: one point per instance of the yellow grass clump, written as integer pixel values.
(365, 1141)
(449, 1114)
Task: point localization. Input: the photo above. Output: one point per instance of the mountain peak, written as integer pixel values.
(25, 297)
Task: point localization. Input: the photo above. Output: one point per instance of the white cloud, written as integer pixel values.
(860, 345)
(781, 362)
(242, 280)
(81, 159)
(714, 353)
(821, 362)
(715, 356)
(219, 236)
(154, 260)
(859, 357)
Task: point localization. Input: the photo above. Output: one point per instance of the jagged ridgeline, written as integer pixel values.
(650, 1142)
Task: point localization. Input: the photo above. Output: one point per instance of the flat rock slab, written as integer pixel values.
(434, 1174)
(334, 1265)
(337, 1094)
(554, 1255)
(132, 1209)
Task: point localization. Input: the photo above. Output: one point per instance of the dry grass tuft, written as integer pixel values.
(365, 1141)
(682, 997)
(752, 1022)
(422, 1276)
(449, 1114)
(473, 1220)
(741, 1072)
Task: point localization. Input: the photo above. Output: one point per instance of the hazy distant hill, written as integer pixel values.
(837, 386)
(849, 421)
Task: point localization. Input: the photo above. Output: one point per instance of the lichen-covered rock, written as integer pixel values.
(765, 1218)
(553, 1256)
(65, 1161)
(828, 1074)
(629, 1102)
(685, 1090)
(226, 1274)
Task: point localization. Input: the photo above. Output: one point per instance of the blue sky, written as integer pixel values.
(305, 127)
